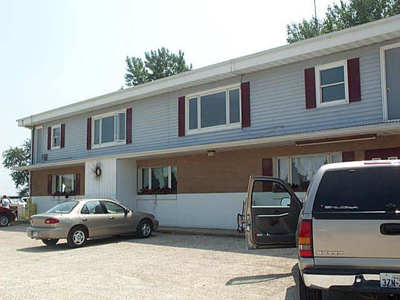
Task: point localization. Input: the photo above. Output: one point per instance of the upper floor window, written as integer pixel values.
(213, 110)
(109, 128)
(55, 136)
(298, 171)
(158, 180)
(331, 82)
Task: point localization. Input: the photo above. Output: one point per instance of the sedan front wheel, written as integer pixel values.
(144, 229)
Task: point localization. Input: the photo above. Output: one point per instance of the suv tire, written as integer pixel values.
(307, 293)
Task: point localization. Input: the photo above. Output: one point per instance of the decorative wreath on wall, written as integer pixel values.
(97, 170)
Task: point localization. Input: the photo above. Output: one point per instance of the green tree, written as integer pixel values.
(157, 64)
(17, 157)
(346, 14)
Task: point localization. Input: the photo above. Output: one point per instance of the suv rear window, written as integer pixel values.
(373, 189)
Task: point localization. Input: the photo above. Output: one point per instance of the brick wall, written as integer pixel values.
(229, 171)
(39, 179)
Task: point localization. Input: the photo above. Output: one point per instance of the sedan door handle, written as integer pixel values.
(111, 218)
(84, 219)
(390, 229)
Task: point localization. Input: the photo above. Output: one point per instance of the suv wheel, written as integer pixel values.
(307, 293)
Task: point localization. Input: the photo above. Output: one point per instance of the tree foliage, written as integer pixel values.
(157, 64)
(346, 14)
(17, 157)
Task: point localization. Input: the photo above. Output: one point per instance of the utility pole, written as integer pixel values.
(315, 17)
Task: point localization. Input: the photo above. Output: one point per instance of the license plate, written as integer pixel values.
(390, 281)
(34, 234)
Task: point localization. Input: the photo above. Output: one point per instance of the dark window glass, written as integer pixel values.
(333, 75)
(107, 129)
(234, 106)
(159, 178)
(213, 110)
(362, 189)
(193, 113)
(95, 207)
(121, 126)
(65, 207)
(96, 131)
(113, 208)
(333, 93)
(174, 178)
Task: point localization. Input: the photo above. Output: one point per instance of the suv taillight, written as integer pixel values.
(51, 221)
(305, 239)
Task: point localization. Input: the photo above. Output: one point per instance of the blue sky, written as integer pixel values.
(54, 53)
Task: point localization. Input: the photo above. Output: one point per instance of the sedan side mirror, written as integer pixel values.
(126, 211)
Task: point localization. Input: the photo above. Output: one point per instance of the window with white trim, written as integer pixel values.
(298, 171)
(158, 180)
(63, 184)
(55, 137)
(331, 83)
(213, 110)
(109, 128)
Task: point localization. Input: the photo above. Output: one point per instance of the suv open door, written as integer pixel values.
(271, 213)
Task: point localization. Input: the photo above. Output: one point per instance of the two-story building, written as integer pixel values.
(184, 147)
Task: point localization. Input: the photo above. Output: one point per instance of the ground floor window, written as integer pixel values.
(298, 171)
(63, 184)
(158, 180)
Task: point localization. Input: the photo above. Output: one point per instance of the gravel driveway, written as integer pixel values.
(165, 266)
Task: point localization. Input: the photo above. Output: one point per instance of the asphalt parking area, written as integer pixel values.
(165, 266)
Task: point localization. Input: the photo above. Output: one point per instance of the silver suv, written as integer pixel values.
(347, 231)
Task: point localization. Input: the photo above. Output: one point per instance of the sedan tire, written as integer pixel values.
(50, 242)
(144, 229)
(4, 220)
(77, 237)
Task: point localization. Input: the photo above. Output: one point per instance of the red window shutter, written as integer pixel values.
(49, 184)
(348, 156)
(49, 138)
(129, 126)
(62, 143)
(309, 84)
(267, 167)
(245, 95)
(89, 134)
(77, 184)
(267, 171)
(181, 116)
(353, 77)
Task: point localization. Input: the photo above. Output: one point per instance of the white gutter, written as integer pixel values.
(322, 45)
(384, 128)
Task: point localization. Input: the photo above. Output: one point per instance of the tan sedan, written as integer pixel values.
(78, 220)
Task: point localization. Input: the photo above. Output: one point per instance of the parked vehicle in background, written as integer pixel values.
(78, 220)
(6, 216)
(347, 231)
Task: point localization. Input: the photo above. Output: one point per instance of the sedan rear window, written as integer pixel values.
(362, 189)
(63, 208)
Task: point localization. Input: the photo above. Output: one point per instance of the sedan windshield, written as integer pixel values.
(63, 208)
